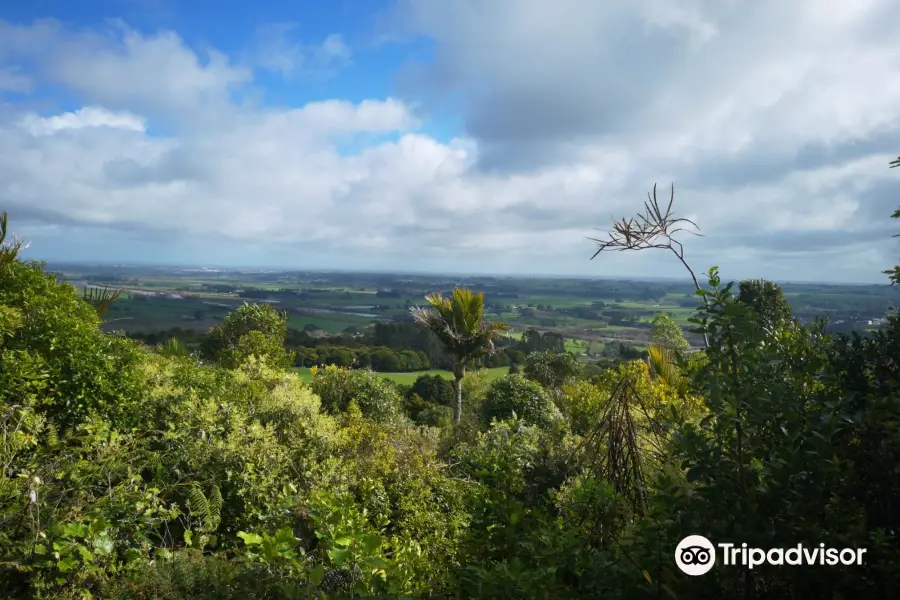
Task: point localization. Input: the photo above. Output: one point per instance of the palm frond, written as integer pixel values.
(173, 347)
(663, 365)
(458, 321)
(101, 298)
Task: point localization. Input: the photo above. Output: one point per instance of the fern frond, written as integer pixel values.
(214, 516)
(197, 503)
(52, 435)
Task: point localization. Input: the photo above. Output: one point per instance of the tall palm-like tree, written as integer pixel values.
(458, 321)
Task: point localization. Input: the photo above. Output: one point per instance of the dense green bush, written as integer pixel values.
(551, 369)
(55, 360)
(526, 399)
(434, 388)
(252, 330)
(377, 397)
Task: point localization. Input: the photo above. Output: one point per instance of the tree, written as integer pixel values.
(551, 369)
(251, 330)
(458, 321)
(375, 396)
(516, 395)
(54, 359)
(433, 388)
(668, 334)
(767, 300)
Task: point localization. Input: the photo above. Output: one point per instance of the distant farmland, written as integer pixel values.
(410, 378)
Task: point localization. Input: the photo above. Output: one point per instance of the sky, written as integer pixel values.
(473, 136)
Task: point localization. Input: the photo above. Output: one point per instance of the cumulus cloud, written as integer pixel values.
(774, 119)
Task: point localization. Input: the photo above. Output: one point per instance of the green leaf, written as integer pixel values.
(343, 541)
(188, 538)
(285, 535)
(103, 546)
(75, 530)
(250, 539)
(86, 555)
(317, 574)
(98, 525)
(372, 542)
(163, 553)
(375, 562)
(67, 564)
(339, 556)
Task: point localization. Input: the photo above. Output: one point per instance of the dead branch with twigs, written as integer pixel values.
(620, 449)
(654, 228)
(895, 163)
(9, 250)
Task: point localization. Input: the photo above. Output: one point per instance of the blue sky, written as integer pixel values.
(470, 136)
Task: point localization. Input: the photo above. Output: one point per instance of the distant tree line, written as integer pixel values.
(386, 347)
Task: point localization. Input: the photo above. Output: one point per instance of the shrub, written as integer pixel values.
(377, 397)
(515, 394)
(256, 330)
(434, 388)
(56, 359)
(551, 369)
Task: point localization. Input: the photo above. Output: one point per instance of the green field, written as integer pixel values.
(336, 302)
(409, 378)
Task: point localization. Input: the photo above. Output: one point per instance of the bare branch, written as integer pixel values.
(654, 228)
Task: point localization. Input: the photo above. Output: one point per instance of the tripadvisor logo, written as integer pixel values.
(696, 555)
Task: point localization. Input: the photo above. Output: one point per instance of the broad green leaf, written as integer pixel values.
(375, 562)
(67, 564)
(339, 556)
(372, 542)
(250, 539)
(103, 546)
(317, 574)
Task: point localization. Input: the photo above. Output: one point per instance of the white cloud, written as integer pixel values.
(276, 49)
(89, 116)
(774, 120)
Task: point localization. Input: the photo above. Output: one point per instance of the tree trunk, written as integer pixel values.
(459, 371)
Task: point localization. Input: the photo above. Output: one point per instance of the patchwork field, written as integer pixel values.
(588, 313)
